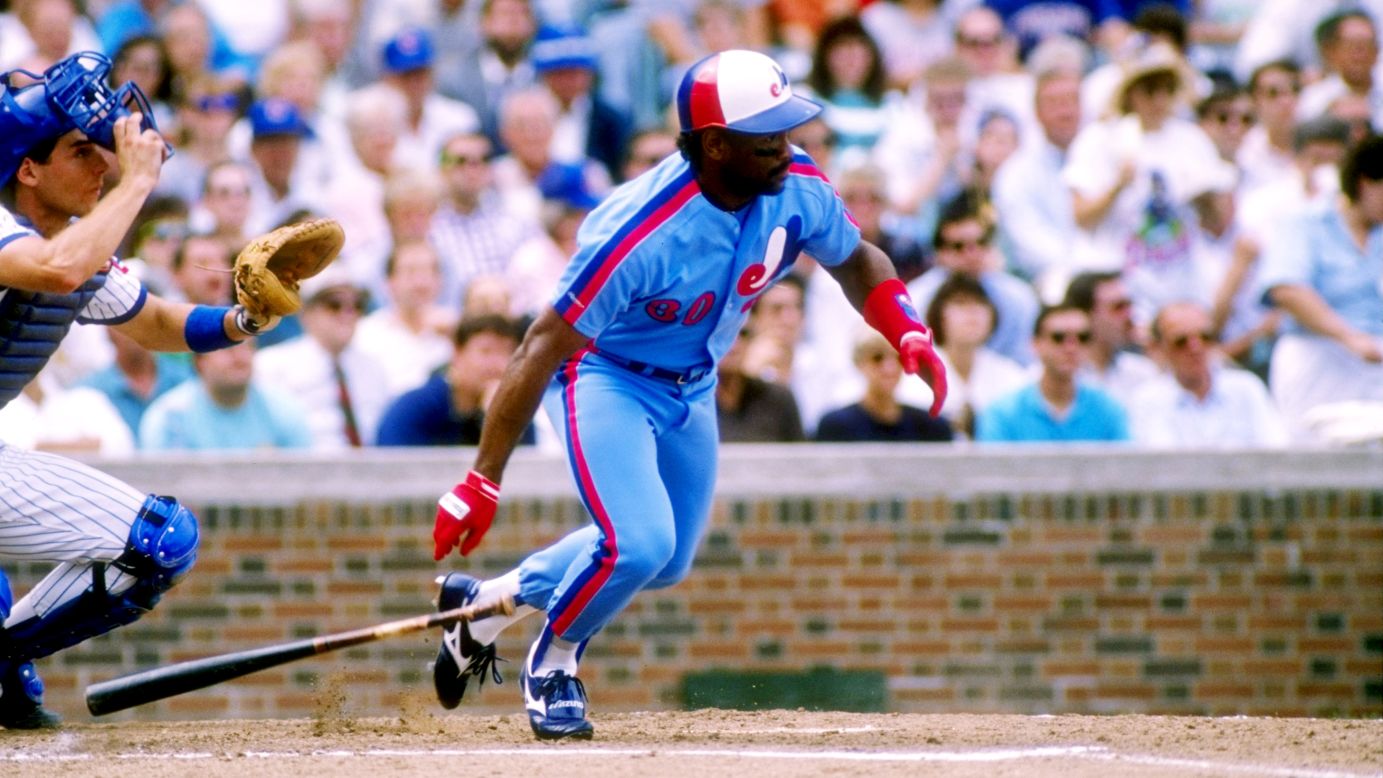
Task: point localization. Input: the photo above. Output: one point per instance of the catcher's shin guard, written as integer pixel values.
(161, 549)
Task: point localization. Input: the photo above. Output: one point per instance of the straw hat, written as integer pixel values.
(1154, 58)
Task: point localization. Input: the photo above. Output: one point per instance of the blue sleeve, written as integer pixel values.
(837, 235)
(1287, 257)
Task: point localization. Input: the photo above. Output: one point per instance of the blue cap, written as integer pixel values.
(276, 116)
(566, 183)
(411, 49)
(563, 47)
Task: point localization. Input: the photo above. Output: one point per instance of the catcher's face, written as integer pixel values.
(70, 181)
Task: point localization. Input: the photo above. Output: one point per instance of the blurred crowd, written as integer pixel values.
(1123, 220)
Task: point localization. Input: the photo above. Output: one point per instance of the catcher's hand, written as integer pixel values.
(268, 270)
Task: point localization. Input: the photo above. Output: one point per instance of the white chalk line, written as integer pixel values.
(1098, 753)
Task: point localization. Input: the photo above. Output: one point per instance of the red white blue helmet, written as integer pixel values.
(743, 91)
(70, 95)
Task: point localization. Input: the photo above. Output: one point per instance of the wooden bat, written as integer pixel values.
(156, 684)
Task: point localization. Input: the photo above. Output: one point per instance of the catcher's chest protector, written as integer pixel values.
(32, 326)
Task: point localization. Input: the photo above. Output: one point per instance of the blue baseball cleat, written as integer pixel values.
(461, 656)
(556, 706)
(21, 698)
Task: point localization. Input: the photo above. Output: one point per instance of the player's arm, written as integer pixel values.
(872, 286)
(65, 261)
(163, 325)
(464, 514)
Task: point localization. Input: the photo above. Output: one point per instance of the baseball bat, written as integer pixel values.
(160, 682)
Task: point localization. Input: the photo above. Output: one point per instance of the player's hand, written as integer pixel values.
(464, 515)
(139, 151)
(919, 357)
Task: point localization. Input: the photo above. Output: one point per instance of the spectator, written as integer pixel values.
(962, 319)
(409, 334)
(1034, 205)
(224, 409)
(1113, 363)
(276, 190)
(136, 378)
(538, 263)
(1032, 22)
(528, 172)
(375, 122)
(341, 388)
(776, 320)
(997, 83)
(964, 243)
(1057, 407)
(1226, 116)
(224, 208)
(999, 135)
(449, 409)
(473, 231)
(47, 31)
(848, 79)
(207, 110)
(430, 118)
(202, 271)
(1265, 156)
(1133, 177)
(819, 141)
(750, 409)
(493, 64)
(912, 34)
(587, 126)
(1348, 46)
(865, 192)
(154, 241)
(1197, 403)
(1323, 269)
(646, 150)
(143, 59)
(878, 416)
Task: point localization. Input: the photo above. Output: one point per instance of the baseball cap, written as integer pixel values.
(555, 48)
(276, 116)
(566, 183)
(743, 91)
(410, 50)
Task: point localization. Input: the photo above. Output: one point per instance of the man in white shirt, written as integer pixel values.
(1198, 403)
(432, 118)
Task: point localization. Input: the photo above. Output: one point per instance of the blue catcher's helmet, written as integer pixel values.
(70, 95)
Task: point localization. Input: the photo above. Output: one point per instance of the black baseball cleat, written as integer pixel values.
(556, 706)
(21, 698)
(461, 656)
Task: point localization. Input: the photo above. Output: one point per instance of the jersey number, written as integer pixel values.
(668, 311)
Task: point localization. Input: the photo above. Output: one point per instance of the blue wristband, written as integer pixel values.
(206, 329)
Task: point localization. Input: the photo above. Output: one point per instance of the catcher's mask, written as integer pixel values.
(70, 95)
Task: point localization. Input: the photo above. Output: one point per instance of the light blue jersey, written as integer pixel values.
(664, 277)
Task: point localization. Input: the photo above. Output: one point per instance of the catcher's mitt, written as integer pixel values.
(268, 270)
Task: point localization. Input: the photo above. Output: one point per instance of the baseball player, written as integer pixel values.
(664, 275)
(118, 550)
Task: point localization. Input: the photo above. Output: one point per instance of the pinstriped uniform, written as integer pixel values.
(662, 281)
(56, 509)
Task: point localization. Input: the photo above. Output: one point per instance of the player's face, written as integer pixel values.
(756, 164)
(71, 180)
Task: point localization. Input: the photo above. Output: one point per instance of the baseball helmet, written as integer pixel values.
(70, 95)
(743, 91)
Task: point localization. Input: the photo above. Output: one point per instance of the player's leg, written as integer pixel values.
(119, 551)
(687, 459)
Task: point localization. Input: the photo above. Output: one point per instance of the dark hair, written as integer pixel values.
(844, 29)
(1163, 19)
(1322, 129)
(967, 206)
(1286, 63)
(493, 323)
(1080, 293)
(1365, 160)
(689, 143)
(958, 287)
(1329, 28)
(163, 92)
(1222, 92)
(181, 252)
(1048, 311)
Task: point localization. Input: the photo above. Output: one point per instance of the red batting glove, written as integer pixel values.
(466, 510)
(918, 357)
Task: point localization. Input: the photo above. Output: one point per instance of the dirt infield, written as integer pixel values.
(775, 744)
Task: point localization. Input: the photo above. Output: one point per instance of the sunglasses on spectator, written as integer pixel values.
(1274, 92)
(449, 158)
(1181, 342)
(962, 245)
(341, 304)
(978, 42)
(229, 191)
(1225, 117)
(1061, 337)
(163, 230)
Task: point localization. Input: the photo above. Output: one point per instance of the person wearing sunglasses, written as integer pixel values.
(1056, 407)
(1200, 401)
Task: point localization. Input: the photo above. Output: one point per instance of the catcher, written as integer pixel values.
(116, 549)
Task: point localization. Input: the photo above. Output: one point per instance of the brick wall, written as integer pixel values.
(974, 580)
